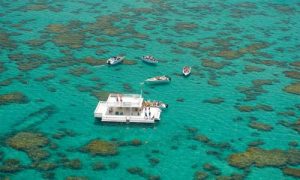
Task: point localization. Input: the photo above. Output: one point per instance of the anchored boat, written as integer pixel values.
(158, 104)
(126, 108)
(149, 59)
(158, 80)
(115, 60)
(186, 71)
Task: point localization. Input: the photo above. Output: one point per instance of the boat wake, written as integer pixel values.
(35, 118)
(99, 66)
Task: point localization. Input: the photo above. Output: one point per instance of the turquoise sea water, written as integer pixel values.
(243, 91)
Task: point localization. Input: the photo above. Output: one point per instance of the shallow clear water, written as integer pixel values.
(51, 52)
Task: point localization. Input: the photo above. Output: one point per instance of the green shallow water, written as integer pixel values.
(240, 52)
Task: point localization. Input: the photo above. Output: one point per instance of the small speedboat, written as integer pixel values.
(158, 79)
(115, 60)
(157, 104)
(160, 104)
(186, 70)
(149, 59)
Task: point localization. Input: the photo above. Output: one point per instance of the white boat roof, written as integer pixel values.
(124, 100)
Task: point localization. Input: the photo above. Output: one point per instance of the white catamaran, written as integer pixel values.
(126, 108)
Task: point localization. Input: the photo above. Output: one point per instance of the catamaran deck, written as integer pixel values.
(126, 108)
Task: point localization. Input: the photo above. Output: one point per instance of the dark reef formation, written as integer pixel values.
(101, 147)
(13, 97)
(263, 158)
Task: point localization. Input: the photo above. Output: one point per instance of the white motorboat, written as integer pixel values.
(186, 70)
(157, 104)
(158, 79)
(149, 59)
(115, 60)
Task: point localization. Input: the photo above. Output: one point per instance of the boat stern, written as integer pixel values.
(100, 109)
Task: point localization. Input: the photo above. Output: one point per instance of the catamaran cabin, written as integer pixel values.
(126, 108)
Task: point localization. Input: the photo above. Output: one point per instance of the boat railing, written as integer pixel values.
(112, 117)
(125, 95)
(122, 104)
(121, 117)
